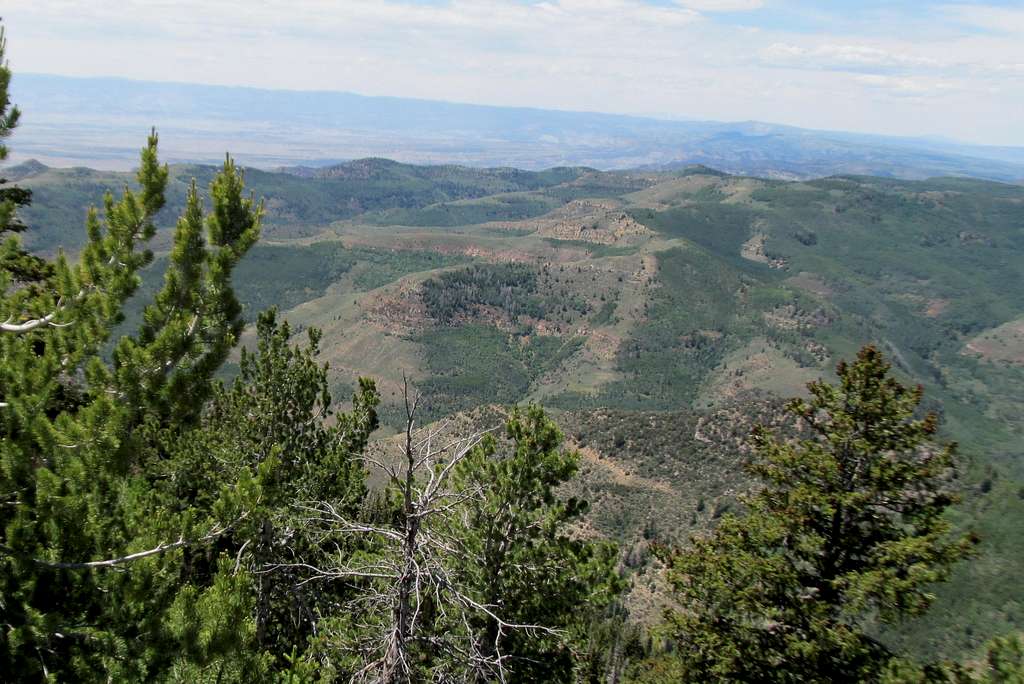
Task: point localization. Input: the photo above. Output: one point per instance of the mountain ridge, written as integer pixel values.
(272, 128)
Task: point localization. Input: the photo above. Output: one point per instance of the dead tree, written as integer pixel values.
(414, 598)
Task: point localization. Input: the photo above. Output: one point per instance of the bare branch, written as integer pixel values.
(111, 562)
(9, 326)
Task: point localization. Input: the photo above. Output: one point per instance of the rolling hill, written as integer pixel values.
(659, 313)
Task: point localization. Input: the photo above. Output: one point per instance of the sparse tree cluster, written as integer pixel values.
(509, 288)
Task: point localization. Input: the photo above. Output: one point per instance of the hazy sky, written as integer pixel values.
(953, 69)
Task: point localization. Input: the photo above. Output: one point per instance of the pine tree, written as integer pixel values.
(21, 266)
(270, 427)
(470, 572)
(521, 557)
(81, 536)
(847, 526)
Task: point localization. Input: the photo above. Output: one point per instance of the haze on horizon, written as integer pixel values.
(953, 70)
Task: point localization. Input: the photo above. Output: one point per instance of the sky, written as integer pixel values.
(944, 69)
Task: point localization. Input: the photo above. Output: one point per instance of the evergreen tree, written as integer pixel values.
(847, 526)
(470, 571)
(276, 426)
(83, 541)
(20, 266)
(521, 557)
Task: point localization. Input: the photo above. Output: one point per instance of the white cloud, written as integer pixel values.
(722, 5)
(1008, 20)
(905, 87)
(846, 57)
(1015, 69)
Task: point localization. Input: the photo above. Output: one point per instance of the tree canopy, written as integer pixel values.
(846, 527)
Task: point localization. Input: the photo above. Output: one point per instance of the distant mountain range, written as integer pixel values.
(101, 122)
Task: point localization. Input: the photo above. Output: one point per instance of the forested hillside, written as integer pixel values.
(645, 292)
(287, 426)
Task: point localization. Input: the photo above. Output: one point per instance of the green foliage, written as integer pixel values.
(207, 625)
(78, 432)
(467, 569)
(377, 268)
(511, 288)
(297, 202)
(603, 315)
(114, 449)
(848, 525)
(720, 228)
(195, 497)
(669, 354)
(525, 563)
(21, 266)
(919, 267)
(195, 318)
(478, 364)
(1003, 664)
(9, 114)
(284, 276)
(675, 483)
(274, 426)
(598, 184)
(510, 207)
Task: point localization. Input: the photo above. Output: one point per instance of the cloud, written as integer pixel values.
(1005, 20)
(721, 5)
(905, 87)
(1014, 69)
(379, 21)
(847, 57)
